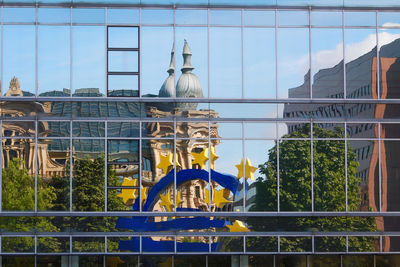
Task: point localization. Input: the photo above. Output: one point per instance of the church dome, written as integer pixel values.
(168, 87)
(188, 84)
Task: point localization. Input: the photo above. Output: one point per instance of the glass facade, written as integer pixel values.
(257, 133)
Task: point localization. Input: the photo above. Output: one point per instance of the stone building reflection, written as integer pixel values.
(198, 136)
(361, 83)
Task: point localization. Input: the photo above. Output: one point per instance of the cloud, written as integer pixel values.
(391, 24)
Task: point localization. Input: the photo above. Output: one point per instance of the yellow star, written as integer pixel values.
(165, 162)
(144, 193)
(248, 169)
(213, 157)
(219, 199)
(178, 198)
(128, 195)
(113, 261)
(200, 158)
(238, 226)
(166, 201)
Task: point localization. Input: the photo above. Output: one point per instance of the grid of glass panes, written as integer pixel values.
(87, 132)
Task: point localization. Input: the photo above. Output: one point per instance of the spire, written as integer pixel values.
(187, 54)
(171, 69)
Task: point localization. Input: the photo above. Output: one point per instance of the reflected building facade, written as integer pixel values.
(275, 143)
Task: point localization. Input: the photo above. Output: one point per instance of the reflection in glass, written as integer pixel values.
(293, 63)
(157, 16)
(155, 57)
(259, 17)
(123, 37)
(327, 63)
(54, 60)
(191, 16)
(225, 17)
(329, 244)
(123, 61)
(261, 244)
(326, 18)
(225, 63)
(257, 198)
(259, 63)
(196, 38)
(15, 244)
(359, 18)
(54, 15)
(122, 16)
(54, 173)
(12, 14)
(291, 18)
(88, 15)
(88, 175)
(88, 60)
(19, 60)
(88, 244)
(363, 165)
(360, 59)
(291, 260)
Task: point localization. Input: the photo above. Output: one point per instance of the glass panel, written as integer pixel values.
(390, 175)
(43, 261)
(123, 85)
(225, 50)
(259, 63)
(113, 244)
(122, 16)
(54, 60)
(54, 109)
(329, 244)
(196, 38)
(329, 175)
(88, 59)
(157, 16)
(157, 261)
(191, 16)
(388, 19)
(88, 15)
(259, 17)
(359, 18)
(19, 129)
(52, 245)
(54, 15)
(12, 14)
(244, 110)
(360, 59)
(19, 60)
(261, 193)
(123, 61)
(123, 129)
(326, 18)
(327, 63)
(191, 244)
(293, 63)
(123, 261)
(295, 175)
(164, 244)
(229, 130)
(227, 243)
(123, 37)
(389, 72)
(219, 261)
(88, 175)
(363, 175)
(325, 260)
(18, 182)
(369, 244)
(11, 261)
(295, 244)
(88, 244)
(291, 18)
(225, 17)
(157, 162)
(261, 243)
(387, 260)
(291, 260)
(260, 130)
(261, 260)
(363, 130)
(155, 58)
(53, 128)
(53, 174)
(87, 129)
(15, 244)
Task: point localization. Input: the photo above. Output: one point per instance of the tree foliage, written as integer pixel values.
(295, 189)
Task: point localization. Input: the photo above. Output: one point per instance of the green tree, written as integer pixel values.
(19, 195)
(295, 190)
